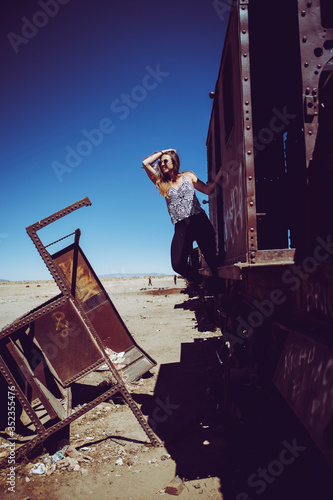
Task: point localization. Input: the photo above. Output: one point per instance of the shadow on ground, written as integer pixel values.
(254, 445)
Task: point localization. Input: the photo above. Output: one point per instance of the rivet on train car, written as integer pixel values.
(303, 13)
(306, 64)
(314, 91)
(304, 39)
(247, 103)
(248, 127)
(249, 152)
(318, 66)
(251, 203)
(250, 177)
(309, 4)
(252, 229)
(310, 132)
(307, 90)
(246, 78)
(243, 31)
(245, 55)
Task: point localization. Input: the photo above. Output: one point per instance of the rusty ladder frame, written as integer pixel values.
(48, 406)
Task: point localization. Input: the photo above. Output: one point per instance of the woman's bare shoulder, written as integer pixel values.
(190, 175)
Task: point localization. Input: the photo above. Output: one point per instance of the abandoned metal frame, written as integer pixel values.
(41, 375)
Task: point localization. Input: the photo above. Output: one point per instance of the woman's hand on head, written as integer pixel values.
(166, 151)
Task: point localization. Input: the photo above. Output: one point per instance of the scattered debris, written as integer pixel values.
(175, 487)
(72, 452)
(116, 359)
(38, 468)
(53, 459)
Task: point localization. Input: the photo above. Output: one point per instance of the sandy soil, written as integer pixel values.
(216, 457)
(162, 323)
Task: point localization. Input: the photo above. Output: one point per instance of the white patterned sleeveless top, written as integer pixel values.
(182, 202)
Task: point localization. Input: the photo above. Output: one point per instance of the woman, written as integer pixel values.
(190, 220)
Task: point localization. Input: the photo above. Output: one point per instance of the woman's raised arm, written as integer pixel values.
(148, 162)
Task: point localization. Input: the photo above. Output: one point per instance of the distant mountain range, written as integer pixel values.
(117, 275)
(130, 275)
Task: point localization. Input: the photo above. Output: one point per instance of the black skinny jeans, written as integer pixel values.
(194, 228)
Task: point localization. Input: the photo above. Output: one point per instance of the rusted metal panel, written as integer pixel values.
(316, 35)
(317, 292)
(304, 377)
(95, 301)
(214, 159)
(278, 256)
(64, 338)
(225, 142)
(305, 290)
(102, 314)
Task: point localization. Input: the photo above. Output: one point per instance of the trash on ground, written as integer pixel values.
(175, 487)
(38, 468)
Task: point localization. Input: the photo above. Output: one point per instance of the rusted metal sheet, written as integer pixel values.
(317, 293)
(304, 377)
(316, 43)
(102, 314)
(229, 143)
(43, 353)
(279, 256)
(65, 339)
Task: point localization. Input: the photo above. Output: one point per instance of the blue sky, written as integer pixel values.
(89, 88)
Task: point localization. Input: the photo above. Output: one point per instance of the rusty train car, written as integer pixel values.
(271, 130)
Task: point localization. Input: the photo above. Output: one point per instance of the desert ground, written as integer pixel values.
(233, 457)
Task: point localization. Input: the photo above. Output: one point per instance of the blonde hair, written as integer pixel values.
(163, 182)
